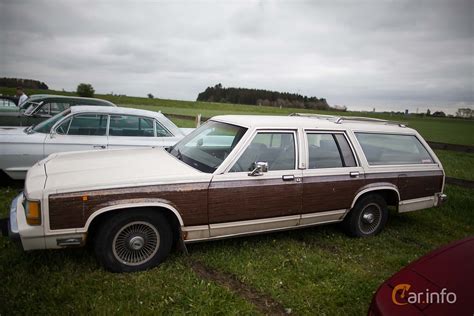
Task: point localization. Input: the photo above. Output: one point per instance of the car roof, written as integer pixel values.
(284, 122)
(113, 110)
(58, 96)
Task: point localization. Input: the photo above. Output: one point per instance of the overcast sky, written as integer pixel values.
(362, 54)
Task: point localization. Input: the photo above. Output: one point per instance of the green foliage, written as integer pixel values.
(24, 83)
(85, 90)
(261, 97)
(457, 164)
(150, 96)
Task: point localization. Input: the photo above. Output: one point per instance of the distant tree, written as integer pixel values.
(428, 112)
(218, 93)
(24, 83)
(464, 113)
(439, 114)
(150, 96)
(85, 90)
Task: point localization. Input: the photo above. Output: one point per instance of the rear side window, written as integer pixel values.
(389, 149)
(161, 131)
(329, 151)
(129, 125)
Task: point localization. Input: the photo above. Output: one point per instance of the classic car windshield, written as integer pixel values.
(45, 126)
(207, 147)
(30, 107)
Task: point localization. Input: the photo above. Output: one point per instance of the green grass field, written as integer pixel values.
(311, 271)
(448, 130)
(457, 164)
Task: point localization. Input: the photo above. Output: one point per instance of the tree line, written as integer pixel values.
(23, 83)
(263, 97)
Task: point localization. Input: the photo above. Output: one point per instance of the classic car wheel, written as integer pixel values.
(368, 217)
(133, 240)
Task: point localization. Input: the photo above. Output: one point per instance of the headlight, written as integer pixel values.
(33, 212)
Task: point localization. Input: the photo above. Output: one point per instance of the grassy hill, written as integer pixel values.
(448, 130)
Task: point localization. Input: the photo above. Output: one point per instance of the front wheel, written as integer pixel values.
(368, 217)
(133, 240)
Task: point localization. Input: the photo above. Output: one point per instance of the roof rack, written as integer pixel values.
(341, 119)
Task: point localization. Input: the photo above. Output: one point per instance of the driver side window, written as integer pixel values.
(275, 148)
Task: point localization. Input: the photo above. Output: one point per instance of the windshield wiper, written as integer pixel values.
(179, 156)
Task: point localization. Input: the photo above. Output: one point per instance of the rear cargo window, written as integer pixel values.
(389, 149)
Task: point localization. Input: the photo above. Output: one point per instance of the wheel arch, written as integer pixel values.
(169, 211)
(389, 192)
(133, 205)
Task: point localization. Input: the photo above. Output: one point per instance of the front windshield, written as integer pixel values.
(207, 147)
(29, 106)
(45, 126)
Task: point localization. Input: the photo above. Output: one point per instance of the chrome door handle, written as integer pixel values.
(99, 146)
(289, 177)
(354, 174)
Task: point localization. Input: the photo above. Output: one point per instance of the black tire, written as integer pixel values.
(368, 216)
(133, 240)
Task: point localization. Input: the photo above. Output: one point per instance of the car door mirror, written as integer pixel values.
(52, 133)
(259, 168)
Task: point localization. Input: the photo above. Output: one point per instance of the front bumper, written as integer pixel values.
(9, 226)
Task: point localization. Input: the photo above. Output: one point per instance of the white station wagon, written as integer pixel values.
(84, 128)
(233, 176)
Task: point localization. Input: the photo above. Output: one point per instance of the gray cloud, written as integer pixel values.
(383, 54)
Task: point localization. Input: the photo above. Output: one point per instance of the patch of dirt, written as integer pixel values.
(262, 302)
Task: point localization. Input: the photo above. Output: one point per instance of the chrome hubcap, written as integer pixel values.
(136, 243)
(370, 218)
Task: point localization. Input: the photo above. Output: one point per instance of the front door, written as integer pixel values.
(242, 203)
(80, 132)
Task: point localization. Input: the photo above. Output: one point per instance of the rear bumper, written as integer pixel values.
(441, 198)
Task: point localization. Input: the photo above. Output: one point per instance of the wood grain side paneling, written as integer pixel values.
(69, 210)
(240, 200)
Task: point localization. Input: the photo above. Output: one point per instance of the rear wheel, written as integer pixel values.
(133, 240)
(368, 216)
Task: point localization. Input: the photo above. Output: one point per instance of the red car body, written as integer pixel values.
(444, 277)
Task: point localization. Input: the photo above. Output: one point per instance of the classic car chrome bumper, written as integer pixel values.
(10, 225)
(441, 198)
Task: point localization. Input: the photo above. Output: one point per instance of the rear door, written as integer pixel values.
(86, 131)
(331, 178)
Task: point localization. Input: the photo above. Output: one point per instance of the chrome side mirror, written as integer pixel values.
(259, 168)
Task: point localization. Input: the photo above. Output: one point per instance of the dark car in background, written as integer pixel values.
(7, 102)
(40, 107)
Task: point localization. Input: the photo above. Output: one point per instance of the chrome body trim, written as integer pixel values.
(416, 204)
(252, 227)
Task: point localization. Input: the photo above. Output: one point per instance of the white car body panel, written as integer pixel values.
(93, 170)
